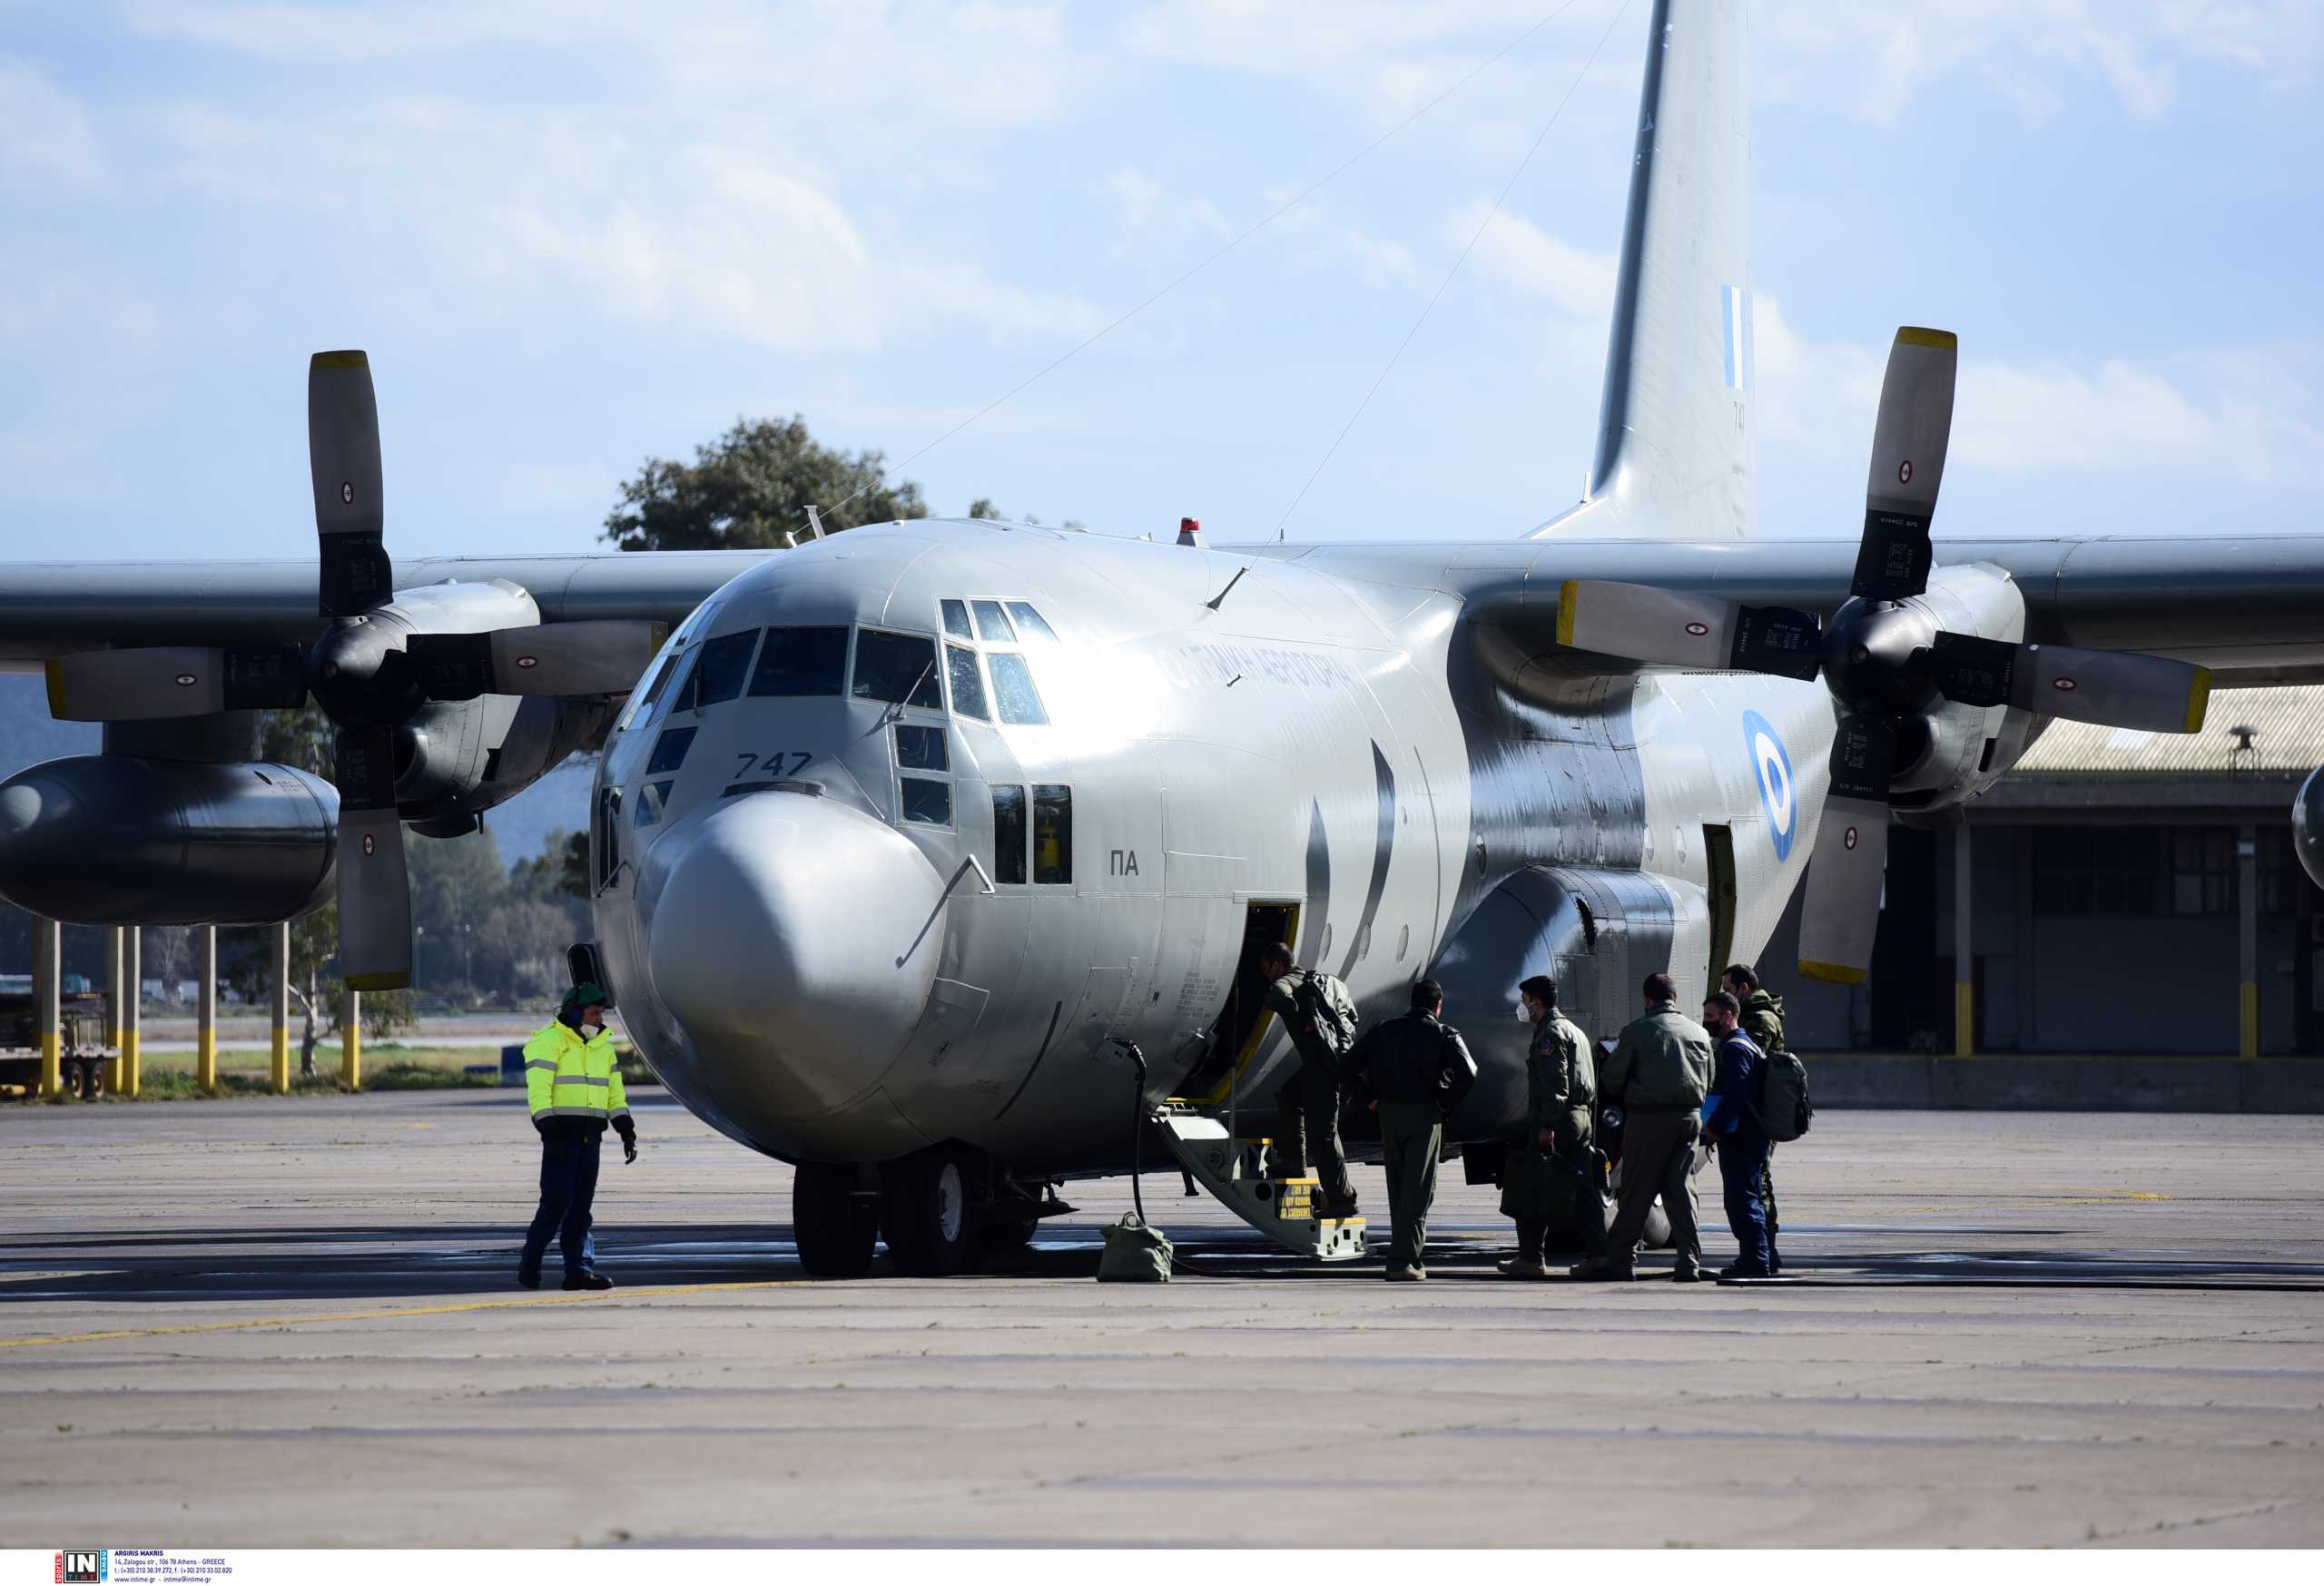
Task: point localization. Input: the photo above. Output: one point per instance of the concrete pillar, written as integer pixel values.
(47, 1003)
(205, 1007)
(112, 1007)
(132, 990)
(1965, 963)
(351, 1041)
(2247, 892)
(278, 1057)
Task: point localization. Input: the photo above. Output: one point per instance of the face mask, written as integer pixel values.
(1524, 1017)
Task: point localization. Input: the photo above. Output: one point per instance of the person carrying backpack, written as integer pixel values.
(1319, 1013)
(1414, 1070)
(1732, 1118)
(1763, 1022)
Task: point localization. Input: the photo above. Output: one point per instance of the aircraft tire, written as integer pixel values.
(837, 1233)
(925, 1216)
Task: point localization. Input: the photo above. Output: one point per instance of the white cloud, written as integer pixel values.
(2241, 417)
(1515, 252)
(1151, 218)
(43, 131)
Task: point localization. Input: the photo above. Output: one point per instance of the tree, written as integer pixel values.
(982, 506)
(752, 487)
(457, 882)
(559, 873)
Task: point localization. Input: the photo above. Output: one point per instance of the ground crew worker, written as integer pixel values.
(574, 1088)
(1414, 1070)
(1731, 1114)
(1658, 1074)
(1553, 1177)
(1321, 1017)
(1763, 1022)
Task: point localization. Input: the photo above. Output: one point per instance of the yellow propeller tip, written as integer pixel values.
(350, 359)
(53, 670)
(1922, 336)
(1569, 597)
(2199, 699)
(1833, 974)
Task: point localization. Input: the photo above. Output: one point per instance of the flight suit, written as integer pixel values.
(1762, 1020)
(1547, 1185)
(1418, 1070)
(1307, 1108)
(1658, 1073)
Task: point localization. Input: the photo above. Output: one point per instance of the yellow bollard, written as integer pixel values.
(2251, 1042)
(279, 1061)
(1964, 1018)
(205, 1009)
(132, 989)
(350, 1043)
(47, 956)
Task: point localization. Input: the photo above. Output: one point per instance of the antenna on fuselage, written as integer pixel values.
(814, 521)
(1214, 601)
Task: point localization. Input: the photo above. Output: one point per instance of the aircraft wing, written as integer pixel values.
(58, 608)
(2250, 608)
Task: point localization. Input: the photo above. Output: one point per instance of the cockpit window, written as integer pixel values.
(797, 662)
(968, 684)
(670, 751)
(899, 668)
(1030, 623)
(642, 709)
(927, 803)
(921, 748)
(1012, 688)
(956, 619)
(718, 669)
(992, 622)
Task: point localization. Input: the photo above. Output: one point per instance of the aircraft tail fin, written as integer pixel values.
(1677, 432)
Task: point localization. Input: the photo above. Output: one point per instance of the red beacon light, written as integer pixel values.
(1190, 531)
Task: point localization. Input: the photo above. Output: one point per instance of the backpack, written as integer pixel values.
(1785, 1110)
(1326, 1009)
(1134, 1253)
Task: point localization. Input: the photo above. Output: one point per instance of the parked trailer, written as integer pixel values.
(83, 1056)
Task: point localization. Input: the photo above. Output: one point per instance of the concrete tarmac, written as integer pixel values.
(292, 1323)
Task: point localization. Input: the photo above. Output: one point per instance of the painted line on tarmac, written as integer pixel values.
(548, 1299)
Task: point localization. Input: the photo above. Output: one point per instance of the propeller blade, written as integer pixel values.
(2114, 688)
(374, 891)
(1666, 628)
(1841, 910)
(173, 680)
(344, 453)
(1908, 442)
(553, 660)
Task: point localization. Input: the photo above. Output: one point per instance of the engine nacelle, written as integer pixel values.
(1952, 752)
(118, 840)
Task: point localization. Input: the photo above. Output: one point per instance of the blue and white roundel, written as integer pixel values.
(1773, 768)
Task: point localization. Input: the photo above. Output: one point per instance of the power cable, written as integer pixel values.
(1304, 195)
(1463, 259)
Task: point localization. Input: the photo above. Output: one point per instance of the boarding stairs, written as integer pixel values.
(1234, 1169)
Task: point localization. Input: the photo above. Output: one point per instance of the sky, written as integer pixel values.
(574, 234)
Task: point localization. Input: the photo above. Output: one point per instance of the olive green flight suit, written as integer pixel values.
(1546, 1187)
(1307, 1106)
(1763, 1022)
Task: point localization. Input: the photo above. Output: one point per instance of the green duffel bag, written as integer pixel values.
(1135, 1253)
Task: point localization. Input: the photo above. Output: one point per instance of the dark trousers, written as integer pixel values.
(569, 1186)
(1742, 1170)
(1307, 1132)
(1575, 1161)
(1768, 1195)
(1412, 1137)
(1658, 1147)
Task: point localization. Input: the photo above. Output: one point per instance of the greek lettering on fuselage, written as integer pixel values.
(1227, 665)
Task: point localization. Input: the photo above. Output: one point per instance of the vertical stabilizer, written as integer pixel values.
(1677, 433)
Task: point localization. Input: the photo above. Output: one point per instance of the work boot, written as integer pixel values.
(1339, 1211)
(528, 1277)
(1742, 1273)
(596, 1282)
(1522, 1266)
(1407, 1274)
(1688, 1274)
(1596, 1270)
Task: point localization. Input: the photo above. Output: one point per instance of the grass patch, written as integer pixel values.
(417, 1076)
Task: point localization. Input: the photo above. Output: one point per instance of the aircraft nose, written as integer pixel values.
(795, 939)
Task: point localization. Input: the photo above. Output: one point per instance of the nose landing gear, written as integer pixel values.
(940, 1210)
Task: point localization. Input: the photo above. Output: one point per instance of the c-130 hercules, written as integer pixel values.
(904, 840)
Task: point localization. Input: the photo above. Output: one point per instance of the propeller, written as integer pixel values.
(368, 670)
(1883, 657)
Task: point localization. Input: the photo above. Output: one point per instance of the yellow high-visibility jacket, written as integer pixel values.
(567, 1077)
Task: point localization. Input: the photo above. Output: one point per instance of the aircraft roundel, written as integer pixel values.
(1777, 793)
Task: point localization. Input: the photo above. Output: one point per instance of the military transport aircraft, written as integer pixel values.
(931, 857)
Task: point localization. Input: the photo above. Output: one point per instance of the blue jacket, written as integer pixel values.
(1731, 1110)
